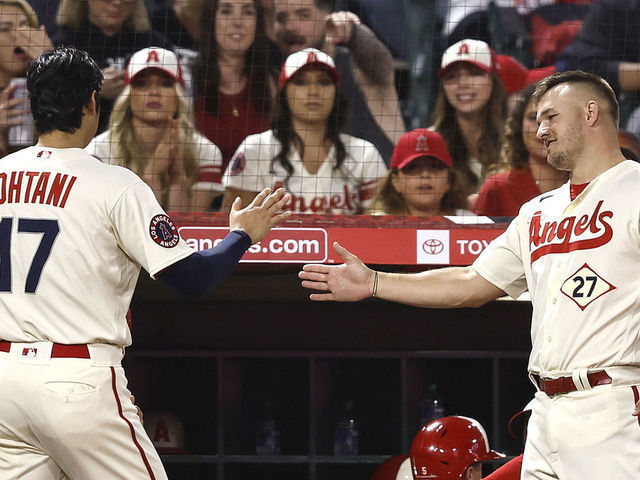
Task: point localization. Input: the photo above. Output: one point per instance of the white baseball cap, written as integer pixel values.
(303, 58)
(154, 57)
(468, 50)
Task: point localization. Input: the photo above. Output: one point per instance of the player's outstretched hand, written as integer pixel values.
(257, 218)
(348, 282)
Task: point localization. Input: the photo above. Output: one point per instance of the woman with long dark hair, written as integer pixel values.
(324, 170)
(471, 109)
(233, 78)
(522, 171)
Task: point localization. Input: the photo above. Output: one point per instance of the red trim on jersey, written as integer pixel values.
(636, 398)
(576, 190)
(133, 432)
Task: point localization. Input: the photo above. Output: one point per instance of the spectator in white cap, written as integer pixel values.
(324, 170)
(421, 181)
(151, 132)
(471, 109)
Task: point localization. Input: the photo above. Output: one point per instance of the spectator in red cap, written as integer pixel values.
(421, 181)
(324, 170)
(470, 110)
(151, 132)
(522, 171)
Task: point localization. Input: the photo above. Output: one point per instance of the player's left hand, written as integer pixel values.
(34, 41)
(261, 215)
(636, 411)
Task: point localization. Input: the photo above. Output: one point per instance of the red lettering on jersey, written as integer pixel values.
(3, 182)
(15, 184)
(30, 176)
(67, 191)
(347, 201)
(41, 188)
(56, 189)
(153, 57)
(567, 233)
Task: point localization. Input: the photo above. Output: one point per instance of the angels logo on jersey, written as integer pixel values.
(163, 231)
(570, 233)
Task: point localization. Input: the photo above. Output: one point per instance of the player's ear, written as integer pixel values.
(94, 103)
(592, 112)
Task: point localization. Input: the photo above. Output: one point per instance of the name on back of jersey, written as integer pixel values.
(36, 187)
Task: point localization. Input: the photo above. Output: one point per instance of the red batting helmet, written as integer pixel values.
(397, 467)
(446, 447)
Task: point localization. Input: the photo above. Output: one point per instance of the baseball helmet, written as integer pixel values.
(397, 467)
(446, 447)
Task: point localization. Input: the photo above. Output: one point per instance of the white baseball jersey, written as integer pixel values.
(74, 233)
(348, 190)
(209, 159)
(579, 260)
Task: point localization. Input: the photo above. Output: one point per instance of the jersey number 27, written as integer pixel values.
(49, 230)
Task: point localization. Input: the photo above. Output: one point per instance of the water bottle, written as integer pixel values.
(21, 135)
(346, 435)
(268, 432)
(431, 406)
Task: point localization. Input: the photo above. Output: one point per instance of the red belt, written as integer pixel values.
(58, 350)
(557, 386)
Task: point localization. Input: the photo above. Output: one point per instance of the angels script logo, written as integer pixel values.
(569, 234)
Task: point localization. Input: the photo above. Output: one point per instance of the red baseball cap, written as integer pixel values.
(477, 52)
(417, 143)
(515, 76)
(304, 58)
(154, 57)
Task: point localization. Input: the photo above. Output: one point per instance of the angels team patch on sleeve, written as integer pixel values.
(163, 231)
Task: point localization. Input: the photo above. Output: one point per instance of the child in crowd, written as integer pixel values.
(421, 181)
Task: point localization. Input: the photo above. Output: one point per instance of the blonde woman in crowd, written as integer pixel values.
(151, 132)
(421, 181)
(110, 32)
(470, 111)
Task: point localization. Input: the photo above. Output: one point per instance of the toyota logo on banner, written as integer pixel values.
(432, 247)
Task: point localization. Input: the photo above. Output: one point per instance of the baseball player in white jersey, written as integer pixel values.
(577, 250)
(74, 233)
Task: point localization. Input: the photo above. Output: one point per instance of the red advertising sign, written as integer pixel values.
(281, 245)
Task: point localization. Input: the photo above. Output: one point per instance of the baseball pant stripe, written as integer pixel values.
(636, 397)
(133, 433)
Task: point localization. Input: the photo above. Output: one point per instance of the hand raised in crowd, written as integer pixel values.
(113, 82)
(262, 214)
(348, 282)
(34, 41)
(339, 28)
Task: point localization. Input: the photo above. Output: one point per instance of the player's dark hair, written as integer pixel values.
(60, 84)
(598, 84)
(283, 130)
